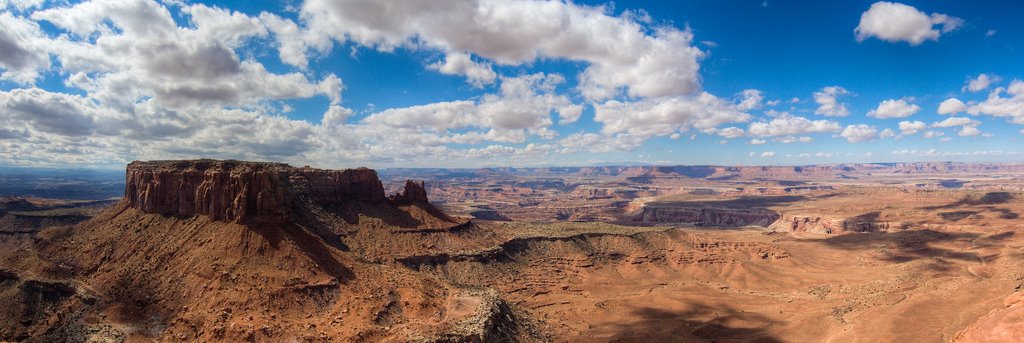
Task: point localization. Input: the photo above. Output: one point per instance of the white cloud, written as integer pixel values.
(20, 5)
(1011, 107)
(791, 125)
(859, 133)
(476, 73)
(136, 51)
(61, 114)
(752, 99)
(980, 83)
(952, 106)
(293, 42)
(525, 102)
(967, 131)
(894, 108)
(756, 141)
(792, 139)
(663, 116)
(593, 142)
(439, 116)
(934, 152)
(729, 132)
(828, 104)
(887, 133)
(768, 154)
(621, 52)
(956, 121)
(895, 22)
(224, 26)
(24, 51)
(908, 128)
(933, 134)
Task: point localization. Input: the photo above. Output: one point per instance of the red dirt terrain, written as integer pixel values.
(236, 251)
(243, 251)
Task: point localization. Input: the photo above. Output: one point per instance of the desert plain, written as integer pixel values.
(244, 251)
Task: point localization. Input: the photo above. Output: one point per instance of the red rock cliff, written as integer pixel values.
(237, 191)
(414, 192)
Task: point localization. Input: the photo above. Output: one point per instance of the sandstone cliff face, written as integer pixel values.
(235, 191)
(818, 224)
(414, 192)
(705, 216)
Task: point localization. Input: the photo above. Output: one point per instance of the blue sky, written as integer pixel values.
(467, 83)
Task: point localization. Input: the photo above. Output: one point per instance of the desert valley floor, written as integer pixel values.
(241, 251)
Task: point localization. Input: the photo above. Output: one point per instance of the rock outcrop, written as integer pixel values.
(819, 224)
(1005, 324)
(709, 217)
(236, 191)
(414, 192)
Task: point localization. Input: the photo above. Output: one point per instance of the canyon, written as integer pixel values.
(213, 250)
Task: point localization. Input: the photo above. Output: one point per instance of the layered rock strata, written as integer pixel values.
(819, 224)
(236, 191)
(717, 217)
(414, 192)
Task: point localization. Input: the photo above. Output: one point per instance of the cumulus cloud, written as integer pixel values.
(997, 105)
(952, 106)
(24, 51)
(729, 132)
(896, 22)
(908, 128)
(664, 116)
(792, 139)
(894, 108)
(968, 131)
(934, 152)
(956, 121)
(69, 115)
(968, 126)
(138, 52)
(859, 133)
(980, 83)
(768, 154)
(525, 102)
(828, 103)
(579, 142)
(933, 134)
(791, 125)
(752, 99)
(293, 42)
(476, 73)
(622, 53)
(145, 87)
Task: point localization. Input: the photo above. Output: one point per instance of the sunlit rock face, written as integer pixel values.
(235, 191)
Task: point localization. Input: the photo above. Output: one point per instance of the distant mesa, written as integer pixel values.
(246, 192)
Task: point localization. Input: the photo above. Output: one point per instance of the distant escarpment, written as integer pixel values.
(237, 191)
(699, 215)
(827, 225)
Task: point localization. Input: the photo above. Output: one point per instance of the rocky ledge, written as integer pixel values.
(238, 191)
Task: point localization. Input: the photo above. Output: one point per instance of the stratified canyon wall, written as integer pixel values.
(235, 191)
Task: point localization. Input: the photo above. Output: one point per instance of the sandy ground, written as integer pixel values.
(923, 281)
